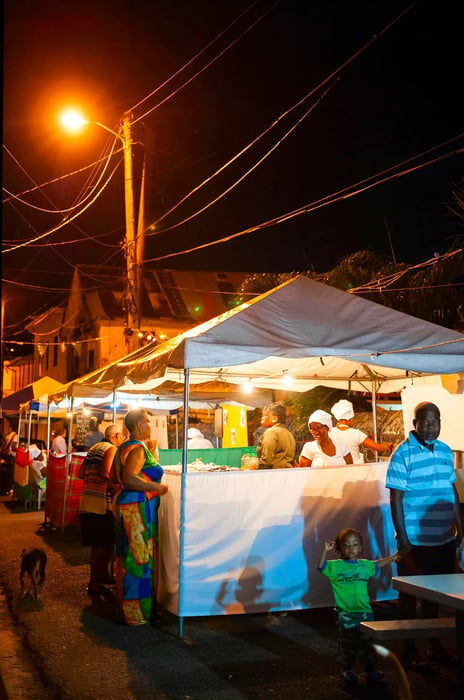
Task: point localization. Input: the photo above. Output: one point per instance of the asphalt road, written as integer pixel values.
(67, 646)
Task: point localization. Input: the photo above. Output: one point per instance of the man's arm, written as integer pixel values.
(397, 511)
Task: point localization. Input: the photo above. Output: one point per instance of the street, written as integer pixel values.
(67, 646)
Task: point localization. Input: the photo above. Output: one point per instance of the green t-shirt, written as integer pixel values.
(348, 579)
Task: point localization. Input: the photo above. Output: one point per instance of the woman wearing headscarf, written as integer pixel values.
(323, 451)
(353, 438)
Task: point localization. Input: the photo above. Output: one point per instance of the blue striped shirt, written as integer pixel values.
(426, 477)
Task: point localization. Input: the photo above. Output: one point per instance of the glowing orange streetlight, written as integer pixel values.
(73, 121)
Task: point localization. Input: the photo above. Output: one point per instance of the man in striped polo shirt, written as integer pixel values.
(425, 511)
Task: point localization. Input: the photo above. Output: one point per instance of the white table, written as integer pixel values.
(446, 590)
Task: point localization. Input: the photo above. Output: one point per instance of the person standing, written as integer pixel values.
(425, 511)
(136, 504)
(9, 455)
(353, 438)
(323, 451)
(93, 435)
(197, 441)
(349, 576)
(95, 513)
(276, 446)
(59, 445)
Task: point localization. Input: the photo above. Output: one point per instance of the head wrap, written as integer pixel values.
(343, 410)
(321, 417)
(194, 433)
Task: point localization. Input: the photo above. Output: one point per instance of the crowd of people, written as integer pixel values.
(331, 446)
(122, 487)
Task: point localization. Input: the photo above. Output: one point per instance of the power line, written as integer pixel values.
(331, 77)
(345, 193)
(213, 60)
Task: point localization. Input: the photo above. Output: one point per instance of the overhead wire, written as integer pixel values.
(94, 165)
(67, 220)
(345, 193)
(240, 179)
(213, 60)
(53, 180)
(331, 77)
(77, 203)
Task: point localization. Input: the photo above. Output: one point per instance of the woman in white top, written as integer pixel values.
(352, 437)
(323, 451)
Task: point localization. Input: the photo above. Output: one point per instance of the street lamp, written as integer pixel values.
(73, 121)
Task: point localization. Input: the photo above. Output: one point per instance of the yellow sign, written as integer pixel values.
(234, 426)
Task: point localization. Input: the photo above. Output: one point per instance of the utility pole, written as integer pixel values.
(133, 242)
(2, 358)
(131, 296)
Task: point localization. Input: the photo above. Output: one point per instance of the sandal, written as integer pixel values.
(349, 677)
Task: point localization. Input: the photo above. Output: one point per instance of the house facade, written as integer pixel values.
(90, 330)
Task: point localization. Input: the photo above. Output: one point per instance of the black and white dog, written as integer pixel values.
(33, 563)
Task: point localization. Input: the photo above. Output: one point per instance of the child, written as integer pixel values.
(348, 577)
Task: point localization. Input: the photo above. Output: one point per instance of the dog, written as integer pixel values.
(33, 563)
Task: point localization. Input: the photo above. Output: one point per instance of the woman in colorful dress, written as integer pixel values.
(136, 530)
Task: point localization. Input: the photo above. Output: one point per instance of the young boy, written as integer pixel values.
(348, 577)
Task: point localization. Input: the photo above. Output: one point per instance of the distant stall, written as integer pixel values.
(64, 490)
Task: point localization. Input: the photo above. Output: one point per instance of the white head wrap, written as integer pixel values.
(194, 433)
(343, 410)
(321, 417)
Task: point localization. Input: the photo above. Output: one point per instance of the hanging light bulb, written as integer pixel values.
(288, 380)
(247, 387)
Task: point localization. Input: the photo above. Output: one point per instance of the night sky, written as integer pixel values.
(398, 98)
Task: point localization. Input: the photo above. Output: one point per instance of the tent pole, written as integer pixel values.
(29, 426)
(114, 405)
(49, 409)
(374, 415)
(182, 501)
(67, 463)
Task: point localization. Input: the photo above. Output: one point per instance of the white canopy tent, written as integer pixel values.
(303, 330)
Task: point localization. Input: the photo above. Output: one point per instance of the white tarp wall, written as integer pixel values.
(254, 537)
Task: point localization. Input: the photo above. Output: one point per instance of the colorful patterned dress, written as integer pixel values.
(136, 542)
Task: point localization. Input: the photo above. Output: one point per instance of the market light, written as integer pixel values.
(247, 387)
(288, 380)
